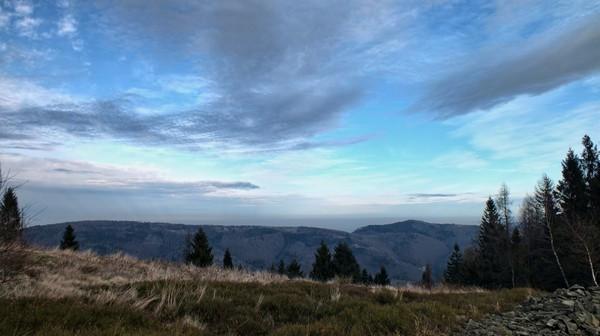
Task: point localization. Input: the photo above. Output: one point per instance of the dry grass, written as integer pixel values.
(64, 273)
(215, 301)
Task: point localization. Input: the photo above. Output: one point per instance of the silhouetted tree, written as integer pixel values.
(518, 258)
(281, 268)
(366, 278)
(427, 277)
(546, 203)
(294, 270)
(11, 217)
(491, 247)
(322, 268)
(454, 270)
(503, 203)
(381, 278)
(571, 196)
(199, 252)
(344, 263)
(68, 241)
(227, 260)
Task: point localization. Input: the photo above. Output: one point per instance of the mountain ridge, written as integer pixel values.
(403, 247)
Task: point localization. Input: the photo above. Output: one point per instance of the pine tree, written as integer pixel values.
(199, 252)
(227, 260)
(454, 270)
(571, 195)
(571, 188)
(503, 204)
(381, 278)
(591, 167)
(589, 159)
(546, 203)
(294, 270)
(69, 242)
(281, 267)
(518, 258)
(344, 263)
(322, 269)
(366, 278)
(11, 218)
(427, 277)
(491, 244)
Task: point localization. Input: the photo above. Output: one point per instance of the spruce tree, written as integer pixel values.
(381, 278)
(366, 278)
(547, 204)
(294, 270)
(199, 252)
(227, 260)
(503, 204)
(69, 242)
(344, 263)
(281, 267)
(427, 277)
(454, 270)
(491, 245)
(589, 159)
(322, 269)
(11, 218)
(571, 194)
(518, 258)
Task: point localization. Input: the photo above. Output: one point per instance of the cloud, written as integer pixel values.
(67, 26)
(82, 176)
(459, 159)
(433, 195)
(279, 72)
(533, 67)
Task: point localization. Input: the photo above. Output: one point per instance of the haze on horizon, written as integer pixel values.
(320, 113)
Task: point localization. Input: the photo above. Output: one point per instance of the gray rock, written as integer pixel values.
(573, 311)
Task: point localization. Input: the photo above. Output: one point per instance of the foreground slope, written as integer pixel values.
(404, 247)
(67, 293)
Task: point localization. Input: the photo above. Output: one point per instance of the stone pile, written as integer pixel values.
(573, 311)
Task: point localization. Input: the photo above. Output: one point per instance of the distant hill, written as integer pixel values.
(403, 247)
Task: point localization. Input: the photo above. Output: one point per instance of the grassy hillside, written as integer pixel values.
(404, 248)
(66, 293)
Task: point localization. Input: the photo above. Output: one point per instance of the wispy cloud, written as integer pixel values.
(529, 68)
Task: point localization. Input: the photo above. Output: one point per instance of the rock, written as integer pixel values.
(573, 311)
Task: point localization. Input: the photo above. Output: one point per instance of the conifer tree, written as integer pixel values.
(571, 188)
(227, 260)
(427, 277)
(546, 203)
(344, 263)
(589, 159)
(322, 268)
(366, 278)
(11, 217)
(199, 252)
(69, 242)
(381, 278)
(294, 270)
(518, 258)
(491, 245)
(281, 267)
(503, 204)
(571, 195)
(454, 270)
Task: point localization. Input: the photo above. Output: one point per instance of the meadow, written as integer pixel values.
(61, 292)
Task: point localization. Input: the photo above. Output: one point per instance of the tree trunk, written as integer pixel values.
(562, 271)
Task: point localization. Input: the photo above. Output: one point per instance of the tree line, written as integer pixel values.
(554, 241)
(341, 263)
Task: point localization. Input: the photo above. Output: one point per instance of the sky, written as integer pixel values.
(332, 113)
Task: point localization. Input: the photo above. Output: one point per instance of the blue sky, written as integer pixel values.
(321, 113)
